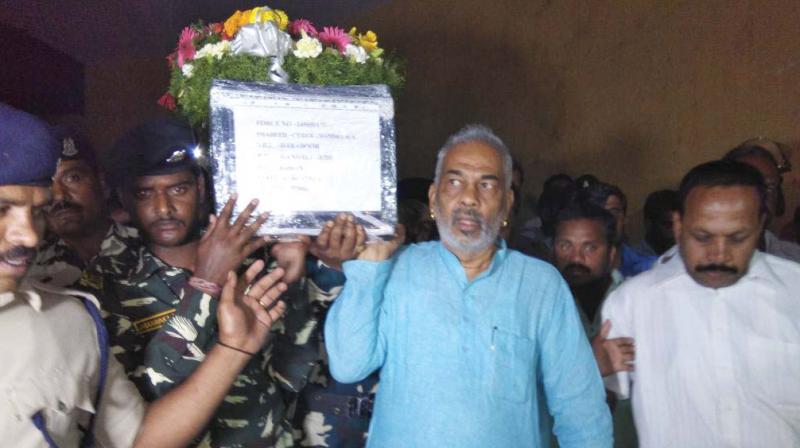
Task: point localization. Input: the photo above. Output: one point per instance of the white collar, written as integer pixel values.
(671, 266)
(23, 292)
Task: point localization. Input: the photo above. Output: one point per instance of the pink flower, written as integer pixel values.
(186, 45)
(171, 60)
(302, 25)
(335, 37)
(167, 101)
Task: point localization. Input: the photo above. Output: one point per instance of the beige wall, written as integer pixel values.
(635, 92)
(121, 94)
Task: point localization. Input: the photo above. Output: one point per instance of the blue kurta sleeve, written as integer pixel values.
(572, 383)
(353, 337)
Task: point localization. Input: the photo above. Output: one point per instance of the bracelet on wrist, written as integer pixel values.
(235, 348)
(210, 288)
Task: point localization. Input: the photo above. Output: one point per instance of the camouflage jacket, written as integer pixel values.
(161, 328)
(329, 413)
(58, 264)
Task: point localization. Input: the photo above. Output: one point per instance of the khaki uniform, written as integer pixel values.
(50, 363)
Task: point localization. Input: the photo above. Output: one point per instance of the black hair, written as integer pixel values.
(415, 216)
(586, 180)
(557, 181)
(659, 202)
(753, 149)
(723, 173)
(516, 166)
(599, 192)
(414, 188)
(582, 209)
(558, 191)
(747, 150)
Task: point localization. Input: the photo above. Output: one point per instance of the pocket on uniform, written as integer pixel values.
(63, 398)
(513, 366)
(774, 371)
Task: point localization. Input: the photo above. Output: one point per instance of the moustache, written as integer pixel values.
(716, 268)
(167, 222)
(63, 205)
(469, 213)
(577, 269)
(18, 254)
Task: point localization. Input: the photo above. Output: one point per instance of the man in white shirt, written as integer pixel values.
(716, 324)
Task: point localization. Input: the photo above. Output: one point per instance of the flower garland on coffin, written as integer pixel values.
(262, 44)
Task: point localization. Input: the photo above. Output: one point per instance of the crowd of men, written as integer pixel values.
(133, 315)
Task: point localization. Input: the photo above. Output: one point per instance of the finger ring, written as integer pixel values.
(261, 302)
(360, 248)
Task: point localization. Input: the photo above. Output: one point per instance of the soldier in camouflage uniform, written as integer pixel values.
(80, 232)
(56, 381)
(329, 413)
(162, 309)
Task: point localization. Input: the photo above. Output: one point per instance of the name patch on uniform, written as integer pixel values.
(153, 323)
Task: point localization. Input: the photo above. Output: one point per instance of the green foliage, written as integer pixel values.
(329, 68)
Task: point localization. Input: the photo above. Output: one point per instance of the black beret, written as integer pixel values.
(74, 146)
(161, 146)
(28, 149)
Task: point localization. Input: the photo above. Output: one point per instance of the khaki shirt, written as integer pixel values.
(51, 362)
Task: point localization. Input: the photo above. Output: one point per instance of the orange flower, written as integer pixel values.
(216, 28)
(233, 24)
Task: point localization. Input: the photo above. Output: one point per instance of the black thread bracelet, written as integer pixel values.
(234, 348)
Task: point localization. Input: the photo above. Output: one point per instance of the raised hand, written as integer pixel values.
(247, 309)
(381, 250)
(339, 241)
(225, 246)
(613, 355)
(291, 256)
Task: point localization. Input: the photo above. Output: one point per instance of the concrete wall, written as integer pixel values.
(122, 94)
(635, 92)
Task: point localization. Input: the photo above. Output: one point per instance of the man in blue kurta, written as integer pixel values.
(475, 342)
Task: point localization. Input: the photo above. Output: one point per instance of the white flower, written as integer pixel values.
(217, 50)
(307, 47)
(203, 52)
(356, 53)
(187, 70)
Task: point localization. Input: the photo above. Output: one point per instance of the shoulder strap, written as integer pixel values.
(38, 422)
(102, 340)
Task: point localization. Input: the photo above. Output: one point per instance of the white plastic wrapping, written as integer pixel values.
(306, 152)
